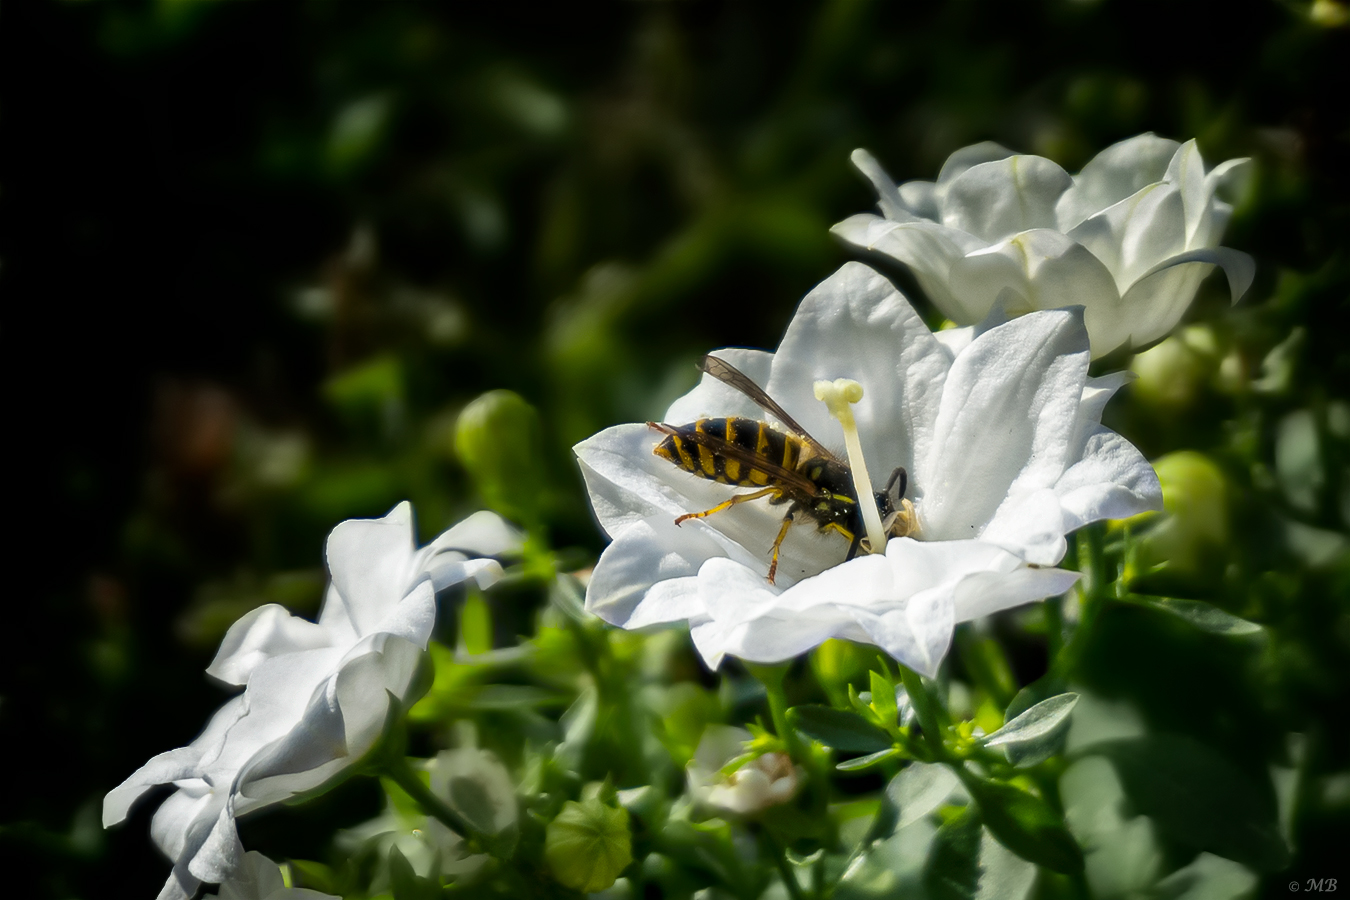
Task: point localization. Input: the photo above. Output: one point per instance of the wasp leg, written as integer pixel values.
(739, 498)
(778, 542)
(854, 545)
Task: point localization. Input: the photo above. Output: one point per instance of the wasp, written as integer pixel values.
(787, 467)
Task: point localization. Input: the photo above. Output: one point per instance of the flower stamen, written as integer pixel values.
(837, 395)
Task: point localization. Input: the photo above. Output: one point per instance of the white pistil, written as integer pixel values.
(837, 395)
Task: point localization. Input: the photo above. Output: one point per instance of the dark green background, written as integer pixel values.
(572, 202)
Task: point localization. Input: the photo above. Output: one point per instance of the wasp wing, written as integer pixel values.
(728, 374)
(748, 458)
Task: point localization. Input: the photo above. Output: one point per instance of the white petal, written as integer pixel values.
(1114, 174)
(888, 196)
(1167, 289)
(220, 852)
(173, 765)
(855, 324)
(712, 397)
(167, 767)
(1008, 413)
(1132, 236)
(180, 886)
(1214, 217)
(184, 821)
(259, 635)
(1186, 172)
(256, 878)
(1044, 268)
(446, 572)
(415, 615)
(481, 534)
(995, 200)
(927, 248)
(1111, 481)
(753, 621)
(651, 552)
(1096, 394)
(278, 693)
(986, 593)
(1030, 523)
(365, 687)
(965, 158)
(371, 561)
(917, 635)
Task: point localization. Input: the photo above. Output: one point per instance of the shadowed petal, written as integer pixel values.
(1114, 174)
(855, 324)
(650, 552)
(1008, 413)
(995, 200)
(928, 249)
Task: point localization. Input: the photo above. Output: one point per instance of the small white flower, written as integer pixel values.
(316, 694)
(258, 878)
(998, 428)
(1129, 238)
(765, 781)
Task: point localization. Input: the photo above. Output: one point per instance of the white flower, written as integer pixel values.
(1129, 238)
(258, 878)
(998, 428)
(316, 694)
(767, 780)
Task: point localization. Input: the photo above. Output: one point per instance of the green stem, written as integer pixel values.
(779, 854)
(1093, 594)
(772, 679)
(397, 770)
(925, 707)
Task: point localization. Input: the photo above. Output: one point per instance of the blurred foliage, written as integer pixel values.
(259, 257)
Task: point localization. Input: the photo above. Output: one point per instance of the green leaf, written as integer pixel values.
(1199, 799)
(1036, 734)
(1201, 615)
(919, 789)
(1025, 824)
(866, 762)
(883, 699)
(836, 728)
(1042, 719)
(953, 868)
(314, 875)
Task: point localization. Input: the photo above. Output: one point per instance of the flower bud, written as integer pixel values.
(588, 845)
(497, 440)
(1194, 528)
(767, 780)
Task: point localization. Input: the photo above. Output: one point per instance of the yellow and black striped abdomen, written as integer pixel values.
(751, 436)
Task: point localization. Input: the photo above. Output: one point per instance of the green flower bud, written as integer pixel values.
(497, 439)
(1172, 373)
(588, 845)
(1189, 536)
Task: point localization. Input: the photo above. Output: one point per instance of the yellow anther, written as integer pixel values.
(837, 396)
